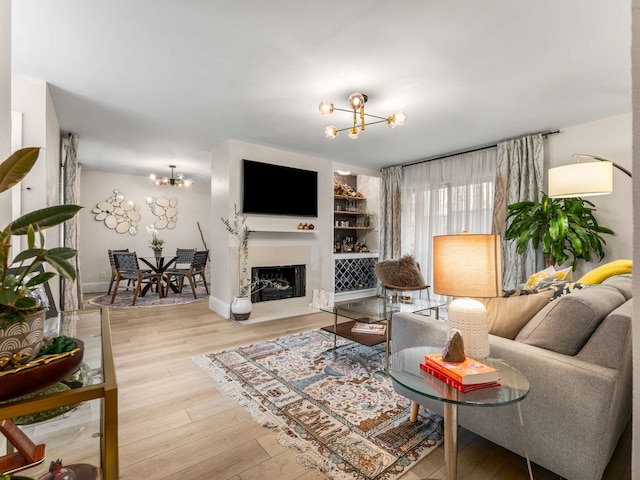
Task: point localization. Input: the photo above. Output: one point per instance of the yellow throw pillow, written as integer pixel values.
(599, 274)
(564, 274)
(506, 316)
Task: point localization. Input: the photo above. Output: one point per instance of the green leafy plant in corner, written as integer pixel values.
(16, 300)
(565, 229)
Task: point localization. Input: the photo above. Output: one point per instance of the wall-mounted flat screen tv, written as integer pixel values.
(278, 190)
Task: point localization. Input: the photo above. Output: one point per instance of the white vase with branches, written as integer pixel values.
(241, 305)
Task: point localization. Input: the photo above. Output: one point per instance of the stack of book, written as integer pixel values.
(373, 328)
(467, 376)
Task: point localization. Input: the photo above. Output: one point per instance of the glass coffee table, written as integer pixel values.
(404, 370)
(373, 310)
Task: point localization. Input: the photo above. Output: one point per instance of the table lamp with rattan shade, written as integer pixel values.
(468, 265)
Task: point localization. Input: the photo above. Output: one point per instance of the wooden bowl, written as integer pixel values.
(31, 379)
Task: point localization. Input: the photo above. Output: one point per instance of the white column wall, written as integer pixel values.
(271, 239)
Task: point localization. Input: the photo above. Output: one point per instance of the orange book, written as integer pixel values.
(467, 372)
(457, 385)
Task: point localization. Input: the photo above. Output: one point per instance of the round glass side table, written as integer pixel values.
(404, 370)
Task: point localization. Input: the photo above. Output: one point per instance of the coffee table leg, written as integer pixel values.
(451, 440)
(335, 329)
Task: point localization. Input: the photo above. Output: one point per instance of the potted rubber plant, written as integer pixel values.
(566, 228)
(21, 314)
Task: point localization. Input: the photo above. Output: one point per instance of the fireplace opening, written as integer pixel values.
(293, 275)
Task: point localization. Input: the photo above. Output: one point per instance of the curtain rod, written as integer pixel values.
(475, 149)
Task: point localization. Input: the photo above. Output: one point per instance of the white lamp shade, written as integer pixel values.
(582, 179)
(468, 266)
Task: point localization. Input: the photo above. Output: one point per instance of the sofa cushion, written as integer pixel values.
(565, 325)
(402, 273)
(507, 315)
(622, 282)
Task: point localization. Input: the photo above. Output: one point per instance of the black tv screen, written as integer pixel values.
(278, 190)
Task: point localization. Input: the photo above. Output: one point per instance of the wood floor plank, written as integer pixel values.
(176, 422)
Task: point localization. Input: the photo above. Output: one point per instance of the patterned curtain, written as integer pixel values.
(391, 213)
(71, 291)
(518, 178)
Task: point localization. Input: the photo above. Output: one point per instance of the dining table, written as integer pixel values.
(159, 265)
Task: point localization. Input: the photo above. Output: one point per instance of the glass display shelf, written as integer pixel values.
(86, 432)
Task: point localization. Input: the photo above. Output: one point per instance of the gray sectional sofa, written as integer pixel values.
(576, 354)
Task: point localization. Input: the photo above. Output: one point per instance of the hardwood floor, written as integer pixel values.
(175, 422)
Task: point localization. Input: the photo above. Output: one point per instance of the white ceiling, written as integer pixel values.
(148, 83)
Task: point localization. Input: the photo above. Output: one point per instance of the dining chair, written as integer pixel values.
(196, 269)
(184, 257)
(127, 268)
(112, 262)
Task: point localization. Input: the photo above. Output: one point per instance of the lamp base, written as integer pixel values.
(470, 317)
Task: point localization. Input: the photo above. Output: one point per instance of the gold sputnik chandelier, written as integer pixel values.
(356, 102)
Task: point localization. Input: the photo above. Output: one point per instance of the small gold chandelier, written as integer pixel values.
(356, 102)
(177, 181)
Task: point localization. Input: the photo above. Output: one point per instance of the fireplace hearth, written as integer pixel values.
(294, 275)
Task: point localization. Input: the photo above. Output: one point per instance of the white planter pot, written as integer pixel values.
(241, 308)
(23, 338)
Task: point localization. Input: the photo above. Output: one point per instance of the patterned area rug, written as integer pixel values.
(337, 407)
(125, 297)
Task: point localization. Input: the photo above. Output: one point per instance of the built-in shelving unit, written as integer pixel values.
(350, 216)
(355, 235)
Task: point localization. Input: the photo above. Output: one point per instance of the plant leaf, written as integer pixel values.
(17, 166)
(44, 218)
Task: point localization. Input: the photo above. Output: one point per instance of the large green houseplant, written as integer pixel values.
(565, 228)
(16, 300)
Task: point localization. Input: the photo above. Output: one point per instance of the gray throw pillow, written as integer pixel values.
(401, 273)
(565, 324)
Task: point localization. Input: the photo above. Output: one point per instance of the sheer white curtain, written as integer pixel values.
(446, 197)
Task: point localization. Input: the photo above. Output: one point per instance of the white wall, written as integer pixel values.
(226, 190)
(635, 72)
(5, 79)
(608, 138)
(5, 100)
(194, 205)
(40, 128)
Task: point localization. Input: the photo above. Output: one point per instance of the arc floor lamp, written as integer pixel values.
(583, 179)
